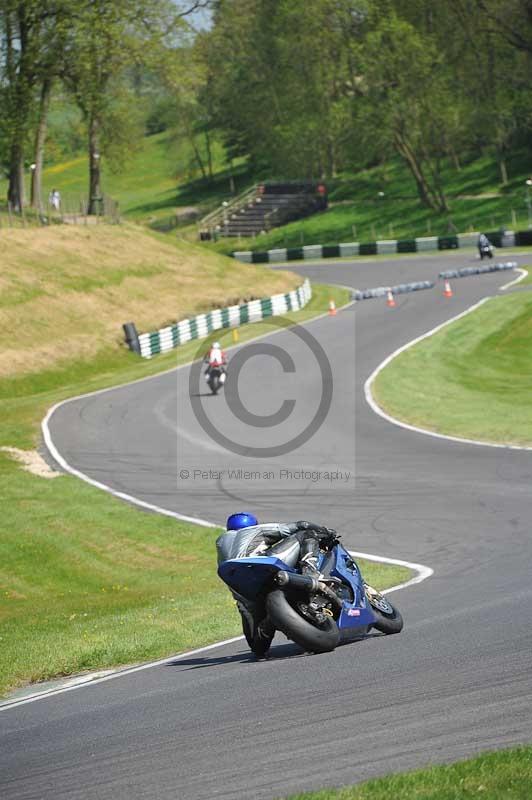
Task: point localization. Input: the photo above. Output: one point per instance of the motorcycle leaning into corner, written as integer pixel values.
(317, 612)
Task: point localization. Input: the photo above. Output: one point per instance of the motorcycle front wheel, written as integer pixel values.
(214, 383)
(316, 636)
(388, 618)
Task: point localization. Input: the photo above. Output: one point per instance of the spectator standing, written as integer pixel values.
(54, 198)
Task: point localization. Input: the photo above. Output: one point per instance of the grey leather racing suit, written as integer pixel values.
(254, 540)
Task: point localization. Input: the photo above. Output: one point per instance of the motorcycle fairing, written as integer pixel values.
(356, 611)
(251, 576)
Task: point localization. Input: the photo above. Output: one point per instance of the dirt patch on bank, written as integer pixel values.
(32, 461)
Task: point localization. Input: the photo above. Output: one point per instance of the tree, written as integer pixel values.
(512, 20)
(279, 81)
(32, 38)
(407, 104)
(107, 36)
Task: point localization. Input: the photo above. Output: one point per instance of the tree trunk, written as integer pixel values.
(197, 155)
(209, 155)
(423, 189)
(438, 193)
(331, 158)
(504, 171)
(95, 192)
(456, 160)
(40, 139)
(15, 191)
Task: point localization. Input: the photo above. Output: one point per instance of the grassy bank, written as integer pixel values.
(25, 397)
(66, 291)
(85, 580)
(506, 775)
(472, 379)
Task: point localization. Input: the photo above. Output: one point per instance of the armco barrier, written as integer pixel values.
(231, 317)
(383, 246)
(382, 291)
(466, 271)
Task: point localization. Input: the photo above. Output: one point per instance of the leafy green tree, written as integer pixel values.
(29, 37)
(280, 76)
(407, 104)
(107, 37)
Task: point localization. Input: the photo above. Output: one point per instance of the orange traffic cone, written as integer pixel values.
(390, 299)
(332, 308)
(447, 291)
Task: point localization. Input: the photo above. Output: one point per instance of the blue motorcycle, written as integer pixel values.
(316, 611)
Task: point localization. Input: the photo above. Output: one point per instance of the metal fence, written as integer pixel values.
(68, 209)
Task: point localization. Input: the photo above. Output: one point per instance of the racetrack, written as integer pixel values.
(456, 681)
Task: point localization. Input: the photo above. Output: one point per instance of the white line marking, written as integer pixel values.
(380, 411)
(117, 674)
(423, 572)
(101, 677)
(523, 275)
(122, 495)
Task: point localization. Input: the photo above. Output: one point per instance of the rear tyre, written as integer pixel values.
(388, 618)
(318, 637)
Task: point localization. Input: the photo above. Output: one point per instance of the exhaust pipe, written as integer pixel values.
(306, 583)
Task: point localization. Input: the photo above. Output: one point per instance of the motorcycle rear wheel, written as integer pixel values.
(320, 638)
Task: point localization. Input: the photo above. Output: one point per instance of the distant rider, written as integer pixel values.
(484, 246)
(292, 542)
(215, 358)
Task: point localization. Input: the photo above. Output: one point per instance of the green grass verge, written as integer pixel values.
(87, 581)
(506, 775)
(472, 379)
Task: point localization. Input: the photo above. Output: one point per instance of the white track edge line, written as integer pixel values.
(388, 417)
(122, 495)
(423, 573)
(523, 275)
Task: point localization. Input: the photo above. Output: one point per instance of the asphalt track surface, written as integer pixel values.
(458, 680)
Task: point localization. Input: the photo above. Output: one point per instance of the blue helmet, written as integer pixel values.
(241, 520)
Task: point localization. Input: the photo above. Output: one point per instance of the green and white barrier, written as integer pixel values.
(202, 325)
(383, 247)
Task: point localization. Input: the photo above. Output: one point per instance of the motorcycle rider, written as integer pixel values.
(215, 359)
(293, 542)
(484, 246)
